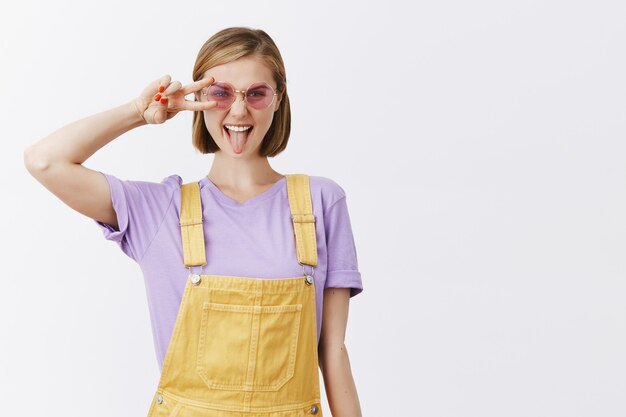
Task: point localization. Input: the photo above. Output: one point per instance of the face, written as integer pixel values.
(241, 74)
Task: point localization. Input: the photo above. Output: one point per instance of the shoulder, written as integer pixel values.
(170, 185)
(144, 192)
(326, 190)
(173, 181)
(167, 184)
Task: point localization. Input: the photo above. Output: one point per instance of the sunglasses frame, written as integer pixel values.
(243, 92)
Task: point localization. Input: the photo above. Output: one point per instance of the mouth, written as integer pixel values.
(238, 135)
(238, 128)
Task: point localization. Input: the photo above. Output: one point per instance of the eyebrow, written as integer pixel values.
(248, 86)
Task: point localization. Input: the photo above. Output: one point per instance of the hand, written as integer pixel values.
(171, 100)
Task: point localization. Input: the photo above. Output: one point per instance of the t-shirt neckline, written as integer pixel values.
(224, 199)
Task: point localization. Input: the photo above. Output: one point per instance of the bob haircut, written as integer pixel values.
(228, 45)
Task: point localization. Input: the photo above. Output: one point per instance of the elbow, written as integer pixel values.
(33, 161)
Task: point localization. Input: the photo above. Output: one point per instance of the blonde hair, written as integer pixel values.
(228, 45)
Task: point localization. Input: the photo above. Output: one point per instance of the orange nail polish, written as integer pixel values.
(161, 89)
(157, 97)
(164, 100)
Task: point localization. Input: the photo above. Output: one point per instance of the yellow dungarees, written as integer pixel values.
(241, 346)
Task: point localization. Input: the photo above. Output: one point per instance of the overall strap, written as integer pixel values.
(191, 224)
(299, 192)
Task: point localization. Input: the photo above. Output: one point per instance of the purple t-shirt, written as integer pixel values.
(253, 239)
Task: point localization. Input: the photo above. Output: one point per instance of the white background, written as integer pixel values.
(482, 148)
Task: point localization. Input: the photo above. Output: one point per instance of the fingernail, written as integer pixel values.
(157, 97)
(161, 89)
(164, 100)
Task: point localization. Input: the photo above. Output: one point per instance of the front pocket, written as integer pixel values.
(246, 347)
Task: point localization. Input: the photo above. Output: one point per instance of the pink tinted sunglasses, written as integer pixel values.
(259, 95)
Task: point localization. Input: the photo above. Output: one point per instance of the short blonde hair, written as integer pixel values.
(228, 45)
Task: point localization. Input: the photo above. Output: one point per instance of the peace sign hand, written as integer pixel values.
(156, 107)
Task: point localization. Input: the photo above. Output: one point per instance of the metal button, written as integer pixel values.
(314, 409)
(195, 278)
(159, 399)
(309, 279)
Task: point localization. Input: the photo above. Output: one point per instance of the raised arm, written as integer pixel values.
(56, 160)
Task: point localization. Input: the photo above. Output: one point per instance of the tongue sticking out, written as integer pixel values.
(238, 139)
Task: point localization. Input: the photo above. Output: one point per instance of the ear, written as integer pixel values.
(279, 98)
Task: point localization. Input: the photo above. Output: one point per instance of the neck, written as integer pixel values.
(242, 173)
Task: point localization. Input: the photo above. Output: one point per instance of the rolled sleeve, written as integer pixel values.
(345, 279)
(343, 270)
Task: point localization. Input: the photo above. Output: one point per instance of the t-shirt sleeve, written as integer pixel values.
(342, 258)
(141, 207)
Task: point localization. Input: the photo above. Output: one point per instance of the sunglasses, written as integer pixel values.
(259, 95)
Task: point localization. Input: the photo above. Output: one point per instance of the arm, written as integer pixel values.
(56, 160)
(333, 355)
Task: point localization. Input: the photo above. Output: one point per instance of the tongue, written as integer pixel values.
(238, 139)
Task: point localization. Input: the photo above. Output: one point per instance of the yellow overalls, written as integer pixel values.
(243, 346)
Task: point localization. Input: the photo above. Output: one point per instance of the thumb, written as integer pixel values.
(156, 113)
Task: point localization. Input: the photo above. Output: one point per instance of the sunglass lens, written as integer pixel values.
(221, 93)
(260, 95)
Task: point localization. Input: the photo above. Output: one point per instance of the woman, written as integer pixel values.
(235, 263)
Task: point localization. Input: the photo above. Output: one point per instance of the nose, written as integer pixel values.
(239, 105)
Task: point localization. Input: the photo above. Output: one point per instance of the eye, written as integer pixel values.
(261, 92)
(219, 91)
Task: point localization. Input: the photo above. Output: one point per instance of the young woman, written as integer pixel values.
(248, 271)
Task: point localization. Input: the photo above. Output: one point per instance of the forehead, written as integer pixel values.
(242, 72)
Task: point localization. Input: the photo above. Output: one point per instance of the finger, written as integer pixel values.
(162, 95)
(198, 105)
(157, 112)
(160, 113)
(163, 82)
(197, 85)
(160, 98)
(173, 87)
(150, 114)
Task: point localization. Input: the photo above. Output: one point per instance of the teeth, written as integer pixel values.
(238, 128)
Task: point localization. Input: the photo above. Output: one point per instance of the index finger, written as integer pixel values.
(196, 85)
